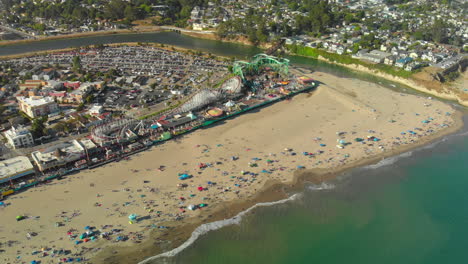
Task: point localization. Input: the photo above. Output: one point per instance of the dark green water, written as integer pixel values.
(412, 211)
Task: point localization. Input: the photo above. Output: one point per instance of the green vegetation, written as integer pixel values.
(38, 129)
(257, 26)
(452, 76)
(75, 13)
(76, 64)
(347, 59)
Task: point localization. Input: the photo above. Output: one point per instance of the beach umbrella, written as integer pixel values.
(200, 188)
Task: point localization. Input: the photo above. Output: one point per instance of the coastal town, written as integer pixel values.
(399, 35)
(112, 153)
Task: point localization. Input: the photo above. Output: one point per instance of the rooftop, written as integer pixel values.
(13, 132)
(36, 100)
(14, 166)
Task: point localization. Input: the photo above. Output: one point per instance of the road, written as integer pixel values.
(187, 30)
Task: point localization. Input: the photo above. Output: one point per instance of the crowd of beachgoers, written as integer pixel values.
(341, 123)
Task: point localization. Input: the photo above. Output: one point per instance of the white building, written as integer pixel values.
(96, 110)
(71, 153)
(19, 137)
(35, 106)
(14, 168)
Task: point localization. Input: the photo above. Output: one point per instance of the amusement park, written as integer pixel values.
(262, 80)
(252, 84)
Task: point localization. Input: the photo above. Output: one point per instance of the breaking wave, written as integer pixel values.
(388, 161)
(205, 228)
(393, 159)
(321, 186)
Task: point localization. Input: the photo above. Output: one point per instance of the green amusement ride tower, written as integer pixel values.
(259, 61)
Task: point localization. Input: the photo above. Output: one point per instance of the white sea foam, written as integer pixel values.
(389, 161)
(392, 160)
(320, 187)
(205, 228)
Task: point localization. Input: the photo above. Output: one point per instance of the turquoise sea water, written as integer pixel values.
(413, 210)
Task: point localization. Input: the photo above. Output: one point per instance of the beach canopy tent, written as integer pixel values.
(184, 176)
(132, 217)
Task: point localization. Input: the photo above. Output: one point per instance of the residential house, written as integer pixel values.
(19, 137)
(403, 61)
(36, 106)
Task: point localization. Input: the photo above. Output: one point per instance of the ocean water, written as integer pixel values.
(409, 209)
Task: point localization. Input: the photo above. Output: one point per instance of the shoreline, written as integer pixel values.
(272, 192)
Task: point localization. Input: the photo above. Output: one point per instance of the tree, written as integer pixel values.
(89, 99)
(114, 9)
(439, 31)
(76, 63)
(129, 13)
(80, 107)
(38, 128)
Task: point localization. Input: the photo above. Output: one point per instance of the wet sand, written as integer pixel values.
(268, 146)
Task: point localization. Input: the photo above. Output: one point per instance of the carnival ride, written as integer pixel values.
(259, 62)
(118, 130)
(232, 86)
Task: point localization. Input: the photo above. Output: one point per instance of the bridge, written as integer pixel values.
(21, 33)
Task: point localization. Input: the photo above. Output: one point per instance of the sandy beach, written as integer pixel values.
(228, 163)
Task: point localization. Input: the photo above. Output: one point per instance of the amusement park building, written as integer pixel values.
(64, 154)
(15, 168)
